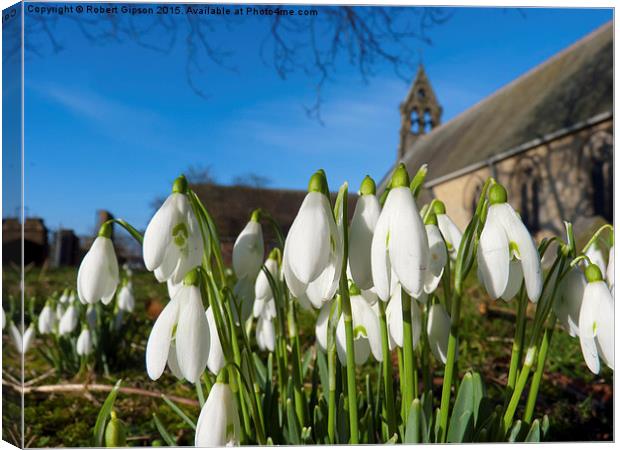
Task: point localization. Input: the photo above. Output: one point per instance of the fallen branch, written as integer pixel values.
(86, 388)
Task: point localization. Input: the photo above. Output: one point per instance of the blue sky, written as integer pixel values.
(109, 125)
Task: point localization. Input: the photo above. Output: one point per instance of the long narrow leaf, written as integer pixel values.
(179, 412)
(104, 415)
(163, 432)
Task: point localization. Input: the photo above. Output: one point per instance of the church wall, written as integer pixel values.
(568, 178)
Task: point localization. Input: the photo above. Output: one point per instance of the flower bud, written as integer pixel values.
(115, 435)
(497, 194)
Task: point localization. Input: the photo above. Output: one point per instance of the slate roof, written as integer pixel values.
(570, 88)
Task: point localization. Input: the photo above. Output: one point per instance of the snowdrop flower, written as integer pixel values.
(216, 359)
(98, 273)
(68, 321)
(596, 321)
(366, 334)
(173, 243)
(507, 253)
(438, 330)
(437, 255)
(47, 319)
(60, 310)
(84, 345)
(450, 232)
(64, 298)
(126, 301)
(394, 318)
(365, 217)
(399, 246)
(313, 249)
(249, 249)
(264, 303)
(265, 334)
(21, 343)
(568, 300)
(596, 256)
(184, 315)
(218, 424)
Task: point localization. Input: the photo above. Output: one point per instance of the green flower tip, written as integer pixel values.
(222, 377)
(431, 219)
(593, 273)
(497, 194)
(275, 254)
(256, 215)
(368, 186)
(353, 289)
(318, 183)
(105, 230)
(400, 177)
(180, 185)
(192, 278)
(439, 207)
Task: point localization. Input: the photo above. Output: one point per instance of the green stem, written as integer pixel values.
(331, 413)
(449, 369)
(537, 377)
(388, 384)
(300, 406)
(516, 395)
(351, 389)
(408, 362)
(425, 353)
(517, 343)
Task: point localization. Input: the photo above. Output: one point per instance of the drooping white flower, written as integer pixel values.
(21, 342)
(98, 273)
(568, 300)
(68, 321)
(394, 318)
(399, 244)
(249, 249)
(218, 424)
(365, 217)
(84, 345)
(366, 332)
(438, 330)
(313, 249)
(596, 321)
(504, 239)
(265, 334)
(47, 319)
(185, 315)
(173, 243)
(437, 256)
(60, 310)
(264, 304)
(64, 297)
(126, 301)
(216, 359)
(450, 232)
(28, 338)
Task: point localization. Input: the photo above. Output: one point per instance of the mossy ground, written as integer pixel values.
(579, 404)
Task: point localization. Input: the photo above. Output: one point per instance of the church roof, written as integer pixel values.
(573, 87)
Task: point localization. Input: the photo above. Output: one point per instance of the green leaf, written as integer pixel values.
(342, 420)
(514, 433)
(413, 431)
(426, 421)
(104, 415)
(306, 362)
(294, 433)
(462, 429)
(321, 359)
(261, 370)
(179, 412)
(463, 404)
(534, 434)
(163, 432)
(479, 397)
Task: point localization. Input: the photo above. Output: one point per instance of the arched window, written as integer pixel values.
(428, 121)
(415, 122)
(526, 181)
(599, 153)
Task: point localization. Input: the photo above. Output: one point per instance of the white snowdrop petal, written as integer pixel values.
(589, 313)
(365, 217)
(379, 259)
(158, 344)
(515, 278)
(493, 256)
(364, 315)
(450, 232)
(322, 324)
(408, 244)
(173, 362)
(216, 360)
(567, 302)
(248, 251)
(218, 424)
(438, 330)
(590, 353)
(158, 236)
(192, 336)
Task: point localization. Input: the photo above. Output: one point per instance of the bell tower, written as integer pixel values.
(419, 113)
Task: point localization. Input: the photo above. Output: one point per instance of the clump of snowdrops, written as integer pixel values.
(386, 285)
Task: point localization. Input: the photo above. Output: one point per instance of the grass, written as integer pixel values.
(579, 404)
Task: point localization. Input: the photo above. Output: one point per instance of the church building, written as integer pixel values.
(547, 136)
